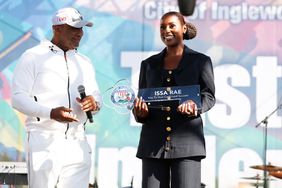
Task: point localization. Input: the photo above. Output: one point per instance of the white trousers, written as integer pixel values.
(56, 161)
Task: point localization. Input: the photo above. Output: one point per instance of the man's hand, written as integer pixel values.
(63, 114)
(88, 104)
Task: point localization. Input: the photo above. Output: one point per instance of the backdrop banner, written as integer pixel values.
(243, 39)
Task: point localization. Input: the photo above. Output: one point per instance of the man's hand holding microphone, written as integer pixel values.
(87, 103)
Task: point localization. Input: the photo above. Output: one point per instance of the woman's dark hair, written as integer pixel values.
(191, 29)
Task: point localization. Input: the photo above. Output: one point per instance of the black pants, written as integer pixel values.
(171, 173)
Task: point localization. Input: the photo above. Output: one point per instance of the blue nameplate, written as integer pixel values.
(180, 93)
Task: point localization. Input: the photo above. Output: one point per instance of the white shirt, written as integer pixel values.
(45, 79)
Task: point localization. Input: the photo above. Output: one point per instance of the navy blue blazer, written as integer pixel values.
(165, 132)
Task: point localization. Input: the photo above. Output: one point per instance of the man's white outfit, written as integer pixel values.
(46, 77)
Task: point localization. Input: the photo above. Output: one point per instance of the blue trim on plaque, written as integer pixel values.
(180, 93)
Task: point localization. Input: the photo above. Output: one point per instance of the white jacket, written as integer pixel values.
(45, 79)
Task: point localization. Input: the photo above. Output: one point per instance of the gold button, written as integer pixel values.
(168, 118)
(168, 138)
(166, 108)
(170, 72)
(166, 148)
(168, 88)
(168, 79)
(168, 129)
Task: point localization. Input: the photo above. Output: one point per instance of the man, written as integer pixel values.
(45, 88)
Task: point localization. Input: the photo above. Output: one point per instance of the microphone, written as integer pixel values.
(81, 90)
(186, 7)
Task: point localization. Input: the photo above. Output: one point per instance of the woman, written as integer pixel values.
(172, 142)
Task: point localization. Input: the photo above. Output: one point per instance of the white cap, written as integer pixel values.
(71, 17)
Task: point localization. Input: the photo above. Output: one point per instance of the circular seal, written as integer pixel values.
(122, 96)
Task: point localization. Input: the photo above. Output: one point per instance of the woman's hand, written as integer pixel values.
(140, 108)
(188, 107)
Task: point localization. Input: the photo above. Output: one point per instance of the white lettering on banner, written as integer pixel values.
(208, 166)
(153, 10)
(108, 167)
(228, 112)
(199, 12)
(117, 167)
(114, 164)
(121, 165)
(267, 71)
(237, 13)
(235, 164)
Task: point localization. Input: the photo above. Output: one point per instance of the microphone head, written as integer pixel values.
(81, 89)
(186, 7)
